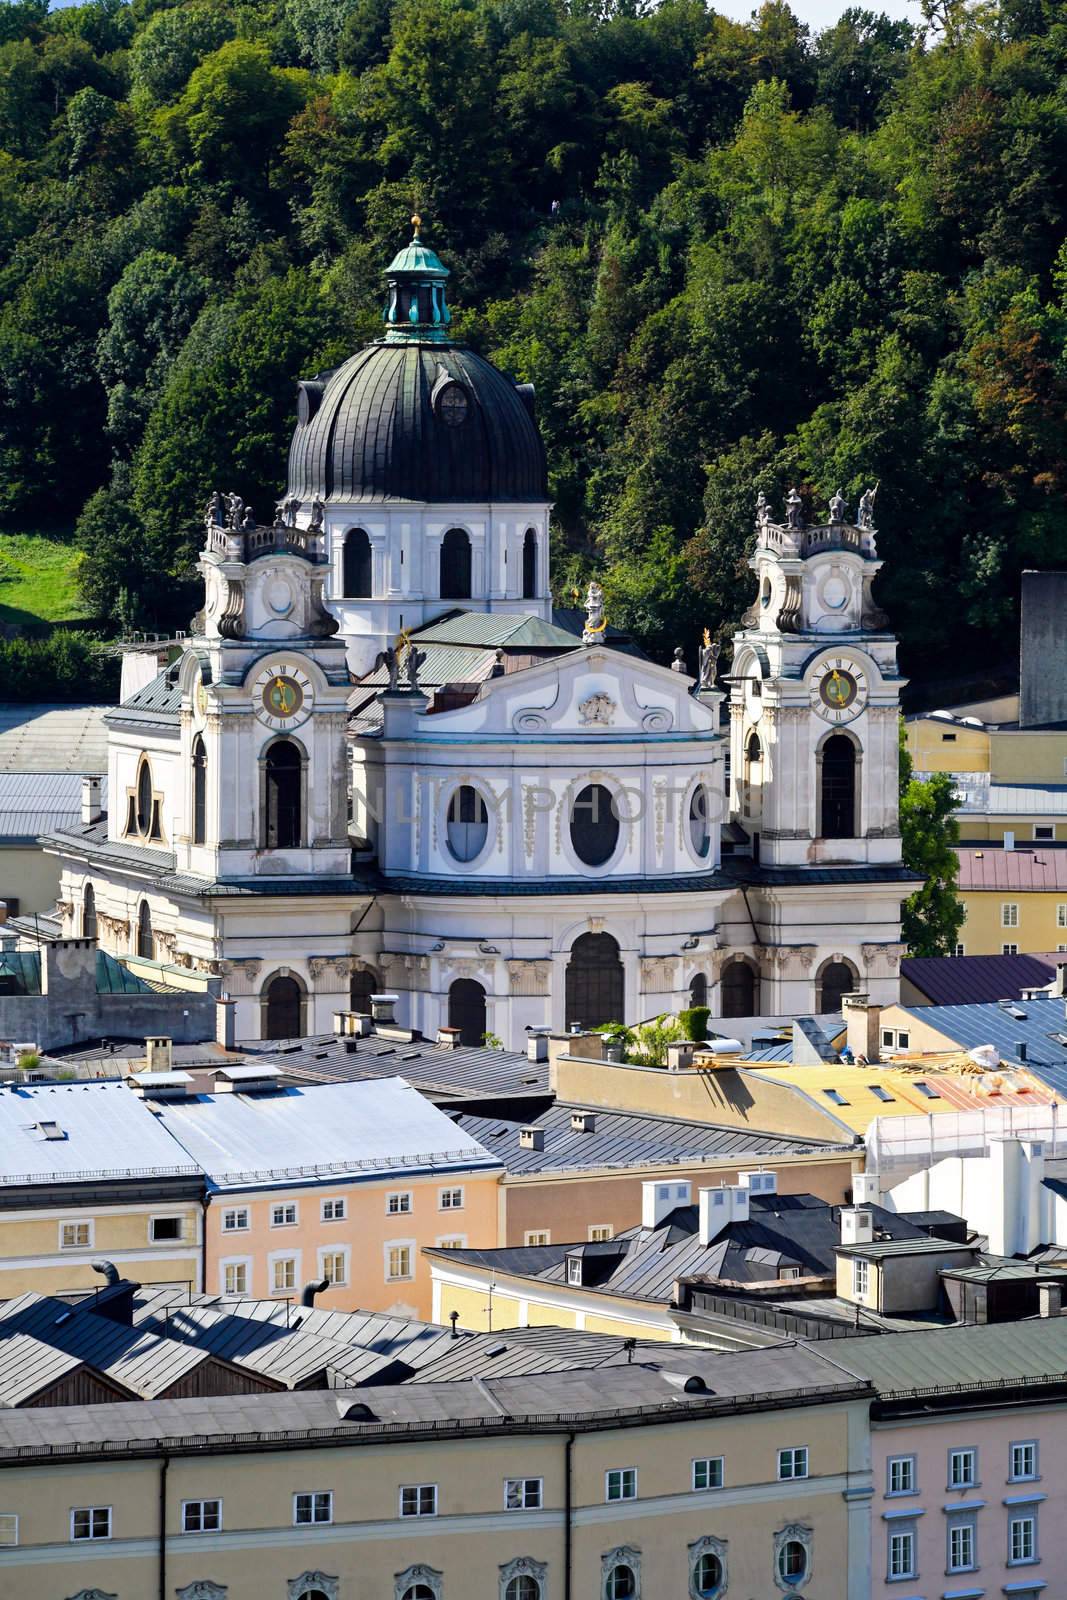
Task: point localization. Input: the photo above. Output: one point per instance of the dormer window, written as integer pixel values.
(574, 1271)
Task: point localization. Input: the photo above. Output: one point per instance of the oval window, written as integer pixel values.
(144, 797)
(467, 825)
(452, 405)
(765, 595)
(699, 824)
(708, 1575)
(594, 825)
(792, 1561)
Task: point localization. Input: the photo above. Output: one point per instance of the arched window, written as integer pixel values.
(361, 986)
(621, 1583)
(282, 822)
(466, 1010)
(146, 944)
(418, 1591)
(89, 912)
(699, 821)
(596, 984)
(144, 798)
(199, 791)
(455, 565)
(357, 565)
(835, 979)
(529, 565)
(698, 989)
(594, 825)
(283, 1008)
(740, 992)
(753, 749)
(467, 825)
(838, 788)
(523, 1588)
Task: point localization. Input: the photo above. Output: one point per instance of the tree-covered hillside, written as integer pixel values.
(730, 257)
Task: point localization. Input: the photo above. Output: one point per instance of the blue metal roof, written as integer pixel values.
(1039, 1026)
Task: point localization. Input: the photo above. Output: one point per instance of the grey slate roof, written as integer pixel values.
(51, 738)
(436, 1072)
(782, 1231)
(623, 1139)
(376, 437)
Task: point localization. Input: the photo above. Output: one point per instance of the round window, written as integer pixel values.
(452, 405)
(467, 824)
(594, 825)
(699, 824)
(792, 1561)
(708, 1575)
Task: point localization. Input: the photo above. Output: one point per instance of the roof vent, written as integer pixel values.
(247, 1079)
(532, 1138)
(448, 1038)
(310, 1290)
(583, 1122)
(355, 1411)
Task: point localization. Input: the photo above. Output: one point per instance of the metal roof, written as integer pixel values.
(970, 980)
(978, 795)
(1039, 1025)
(1029, 867)
(877, 1249)
(320, 1133)
(51, 738)
(376, 436)
(474, 1070)
(958, 1357)
(482, 628)
(33, 801)
(624, 1139)
(160, 699)
(106, 1132)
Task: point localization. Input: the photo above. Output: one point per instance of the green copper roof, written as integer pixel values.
(416, 311)
(416, 257)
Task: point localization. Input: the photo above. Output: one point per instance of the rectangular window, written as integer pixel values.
(283, 1216)
(1009, 949)
(861, 1277)
(574, 1270)
(334, 1266)
(1023, 1461)
(1022, 1539)
(960, 950)
(523, 1494)
(708, 1472)
(962, 1469)
(961, 1547)
(902, 1553)
(75, 1235)
(887, 1038)
(835, 1097)
(455, 1241)
(621, 1484)
(600, 1232)
(1061, 915)
(903, 1041)
(235, 1277)
(90, 1522)
(201, 1516)
(9, 1530)
(793, 1463)
(1044, 832)
(1009, 914)
(900, 1475)
(537, 1236)
(165, 1230)
(397, 1262)
(450, 1200)
(283, 1274)
(418, 1500)
(333, 1211)
(235, 1220)
(926, 1090)
(881, 1093)
(315, 1506)
(398, 1204)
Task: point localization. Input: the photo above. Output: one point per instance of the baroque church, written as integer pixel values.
(384, 764)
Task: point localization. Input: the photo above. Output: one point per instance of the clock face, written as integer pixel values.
(282, 697)
(838, 690)
(201, 698)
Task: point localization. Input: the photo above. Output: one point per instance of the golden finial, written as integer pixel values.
(707, 639)
(416, 222)
(403, 641)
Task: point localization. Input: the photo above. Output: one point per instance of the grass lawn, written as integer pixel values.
(38, 579)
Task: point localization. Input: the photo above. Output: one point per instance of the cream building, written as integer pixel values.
(506, 823)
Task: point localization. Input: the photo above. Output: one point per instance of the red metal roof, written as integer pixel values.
(1031, 867)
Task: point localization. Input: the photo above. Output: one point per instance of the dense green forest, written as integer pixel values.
(731, 257)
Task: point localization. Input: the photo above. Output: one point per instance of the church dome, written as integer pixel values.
(414, 416)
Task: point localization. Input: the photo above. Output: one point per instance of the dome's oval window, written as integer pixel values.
(467, 825)
(699, 821)
(452, 405)
(594, 825)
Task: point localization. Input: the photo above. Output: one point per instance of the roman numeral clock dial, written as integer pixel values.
(839, 689)
(282, 697)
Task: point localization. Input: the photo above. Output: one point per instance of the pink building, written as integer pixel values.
(969, 1459)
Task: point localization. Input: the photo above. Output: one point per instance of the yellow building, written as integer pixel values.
(87, 1174)
(635, 1480)
(1015, 901)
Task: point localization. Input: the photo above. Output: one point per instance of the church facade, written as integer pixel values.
(383, 765)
